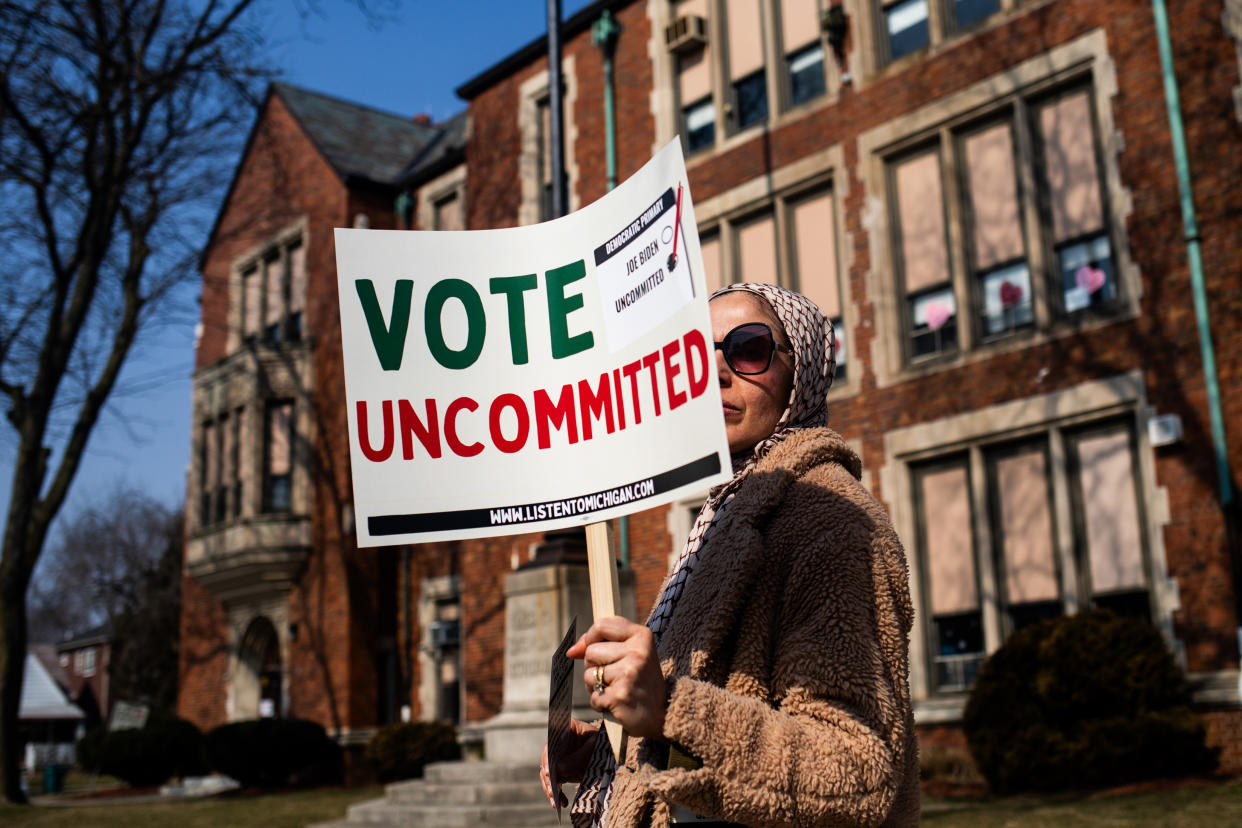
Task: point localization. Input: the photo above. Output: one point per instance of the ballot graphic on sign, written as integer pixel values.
(639, 286)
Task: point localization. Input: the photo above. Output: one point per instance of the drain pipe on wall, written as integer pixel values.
(1208, 354)
(604, 35)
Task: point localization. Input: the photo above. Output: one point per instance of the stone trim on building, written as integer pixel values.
(532, 91)
(436, 190)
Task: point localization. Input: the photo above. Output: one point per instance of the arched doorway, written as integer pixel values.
(258, 684)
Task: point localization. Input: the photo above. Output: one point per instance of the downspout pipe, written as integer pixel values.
(1207, 352)
(556, 115)
(604, 34)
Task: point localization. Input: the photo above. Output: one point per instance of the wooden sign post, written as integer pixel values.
(605, 601)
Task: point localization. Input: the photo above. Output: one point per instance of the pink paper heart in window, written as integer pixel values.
(937, 314)
(1090, 278)
(1010, 294)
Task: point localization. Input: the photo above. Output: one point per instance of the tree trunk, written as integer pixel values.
(12, 669)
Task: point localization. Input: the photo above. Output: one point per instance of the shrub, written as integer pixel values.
(266, 753)
(401, 751)
(1084, 701)
(165, 747)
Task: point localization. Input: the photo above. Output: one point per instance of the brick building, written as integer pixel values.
(981, 193)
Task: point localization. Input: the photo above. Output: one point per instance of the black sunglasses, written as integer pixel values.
(748, 348)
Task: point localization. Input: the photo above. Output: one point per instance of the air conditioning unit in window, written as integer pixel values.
(685, 34)
(445, 633)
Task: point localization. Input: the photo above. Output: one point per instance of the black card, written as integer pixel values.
(560, 707)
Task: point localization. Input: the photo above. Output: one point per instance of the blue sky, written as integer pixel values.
(408, 65)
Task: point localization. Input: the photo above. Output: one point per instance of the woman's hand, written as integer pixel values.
(633, 685)
(579, 743)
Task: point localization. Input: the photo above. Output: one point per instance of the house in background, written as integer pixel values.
(84, 658)
(49, 725)
(981, 194)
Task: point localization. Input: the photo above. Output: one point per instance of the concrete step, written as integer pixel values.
(472, 773)
(420, 792)
(382, 813)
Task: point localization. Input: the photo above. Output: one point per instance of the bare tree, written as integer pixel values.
(119, 123)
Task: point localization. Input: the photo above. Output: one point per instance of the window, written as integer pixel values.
(1109, 534)
(207, 471)
(996, 250)
(968, 12)
(813, 240)
(945, 539)
(907, 26)
(446, 644)
(756, 249)
(989, 543)
(84, 662)
(931, 308)
(535, 160)
(712, 262)
(762, 49)
(1049, 142)
(1021, 516)
(798, 229)
(747, 78)
(803, 50)
(219, 468)
(233, 478)
(1073, 198)
(273, 294)
(223, 461)
(694, 87)
(278, 477)
(545, 161)
(447, 213)
(806, 74)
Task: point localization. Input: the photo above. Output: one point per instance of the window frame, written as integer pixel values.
(1074, 593)
(272, 258)
(992, 455)
(905, 296)
(931, 630)
(1019, 111)
(1009, 116)
(1087, 595)
(941, 24)
(270, 405)
(1051, 248)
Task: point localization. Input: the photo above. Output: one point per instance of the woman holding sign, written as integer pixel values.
(770, 684)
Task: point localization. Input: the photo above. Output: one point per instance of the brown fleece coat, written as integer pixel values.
(786, 659)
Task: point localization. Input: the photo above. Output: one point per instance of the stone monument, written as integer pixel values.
(541, 598)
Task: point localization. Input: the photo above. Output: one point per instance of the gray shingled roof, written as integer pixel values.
(359, 142)
(446, 149)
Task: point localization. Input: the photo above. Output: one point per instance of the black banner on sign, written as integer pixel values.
(549, 509)
(635, 228)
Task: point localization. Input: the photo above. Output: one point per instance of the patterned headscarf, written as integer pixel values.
(814, 345)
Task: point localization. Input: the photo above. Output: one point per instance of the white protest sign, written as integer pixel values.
(526, 379)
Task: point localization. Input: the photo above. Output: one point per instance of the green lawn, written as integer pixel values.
(1209, 804)
(281, 810)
